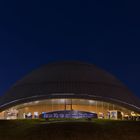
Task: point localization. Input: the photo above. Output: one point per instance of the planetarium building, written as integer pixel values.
(69, 90)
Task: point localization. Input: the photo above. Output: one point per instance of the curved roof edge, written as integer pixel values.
(69, 76)
(69, 95)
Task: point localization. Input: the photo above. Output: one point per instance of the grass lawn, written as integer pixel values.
(80, 130)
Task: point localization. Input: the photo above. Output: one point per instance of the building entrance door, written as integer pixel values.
(68, 107)
(68, 104)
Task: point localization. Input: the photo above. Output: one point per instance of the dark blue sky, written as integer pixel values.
(106, 33)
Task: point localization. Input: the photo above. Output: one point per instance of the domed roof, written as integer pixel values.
(69, 80)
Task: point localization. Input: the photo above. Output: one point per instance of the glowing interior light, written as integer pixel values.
(36, 102)
(62, 100)
(91, 101)
(133, 114)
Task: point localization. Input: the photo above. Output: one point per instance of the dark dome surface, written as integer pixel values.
(69, 80)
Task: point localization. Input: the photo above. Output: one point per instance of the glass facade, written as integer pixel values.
(36, 108)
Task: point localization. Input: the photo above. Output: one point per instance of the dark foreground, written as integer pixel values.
(84, 130)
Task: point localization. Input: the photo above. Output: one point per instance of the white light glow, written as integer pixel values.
(91, 101)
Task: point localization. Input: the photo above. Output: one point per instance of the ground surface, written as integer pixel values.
(82, 130)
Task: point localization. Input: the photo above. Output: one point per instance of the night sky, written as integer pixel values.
(34, 33)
